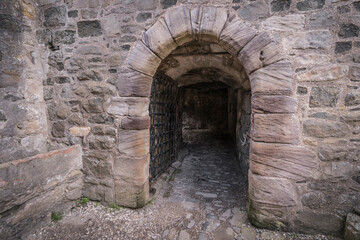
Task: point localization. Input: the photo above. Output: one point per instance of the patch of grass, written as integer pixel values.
(115, 207)
(84, 200)
(56, 216)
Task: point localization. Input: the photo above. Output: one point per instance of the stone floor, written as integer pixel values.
(201, 197)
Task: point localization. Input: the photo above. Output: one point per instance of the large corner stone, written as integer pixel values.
(273, 104)
(178, 22)
(159, 39)
(130, 194)
(133, 84)
(259, 52)
(274, 79)
(235, 35)
(142, 59)
(134, 143)
(282, 160)
(272, 191)
(32, 186)
(276, 128)
(132, 169)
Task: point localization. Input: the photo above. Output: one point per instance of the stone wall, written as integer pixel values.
(23, 126)
(95, 100)
(243, 126)
(33, 187)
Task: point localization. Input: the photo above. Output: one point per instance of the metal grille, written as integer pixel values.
(164, 124)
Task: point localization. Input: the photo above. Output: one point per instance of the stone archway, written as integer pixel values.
(277, 161)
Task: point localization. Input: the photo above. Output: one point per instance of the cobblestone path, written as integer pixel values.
(201, 197)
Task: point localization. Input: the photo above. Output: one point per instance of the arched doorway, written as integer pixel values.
(275, 128)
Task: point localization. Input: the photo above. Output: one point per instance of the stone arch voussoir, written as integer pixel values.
(276, 159)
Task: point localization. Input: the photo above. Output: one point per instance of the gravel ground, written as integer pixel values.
(202, 197)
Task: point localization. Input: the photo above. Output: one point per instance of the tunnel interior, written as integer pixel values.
(200, 95)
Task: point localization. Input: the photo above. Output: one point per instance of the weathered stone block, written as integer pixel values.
(55, 16)
(89, 50)
(79, 131)
(58, 129)
(342, 47)
(130, 194)
(134, 143)
(355, 74)
(56, 60)
(352, 227)
(302, 90)
(254, 11)
(64, 37)
(112, 24)
(212, 22)
(128, 106)
(98, 164)
(308, 40)
(167, 3)
(324, 96)
(90, 75)
(159, 39)
(142, 59)
(313, 200)
(135, 123)
(133, 169)
(357, 5)
(331, 73)
(133, 84)
(273, 104)
(276, 128)
(333, 152)
(308, 221)
(33, 178)
(73, 14)
(259, 52)
(310, 58)
(277, 192)
(103, 130)
(280, 5)
(143, 5)
(273, 79)
(62, 80)
(323, 128)
(43, 36)
(94, 105)
(178, 22)
(89, 28)
(294, 22)
(352, 99)
(322, 19)
(143, 17)
(310, 5)
(351, 117)
(235, 35)
(102, 142)
(282, 160)
(348, 30)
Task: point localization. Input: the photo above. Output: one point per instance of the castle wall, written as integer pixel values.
(84, 46)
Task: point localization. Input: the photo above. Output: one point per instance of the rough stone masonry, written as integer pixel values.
(79, 72)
